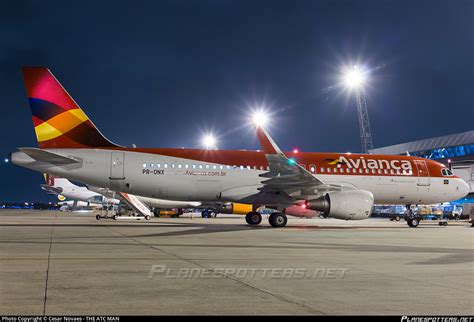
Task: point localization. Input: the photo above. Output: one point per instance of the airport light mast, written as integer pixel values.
(354, 80)
(209, 142)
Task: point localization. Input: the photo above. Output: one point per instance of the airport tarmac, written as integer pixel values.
(60, 263)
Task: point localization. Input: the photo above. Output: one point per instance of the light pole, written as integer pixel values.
(209, 142)
(354, 80)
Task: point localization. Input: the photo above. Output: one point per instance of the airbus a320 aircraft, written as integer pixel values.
(343, 186)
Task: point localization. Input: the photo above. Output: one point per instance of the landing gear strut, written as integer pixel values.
(253, 218)
(413, 220)
(278, 219)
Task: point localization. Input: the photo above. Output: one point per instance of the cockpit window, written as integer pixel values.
(446, 172)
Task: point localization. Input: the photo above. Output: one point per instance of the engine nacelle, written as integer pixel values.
(353, 204)
(299, 211)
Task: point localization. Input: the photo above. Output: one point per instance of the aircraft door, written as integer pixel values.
(423, 173)
(117, 166)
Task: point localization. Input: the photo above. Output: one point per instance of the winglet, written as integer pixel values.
(268, 144)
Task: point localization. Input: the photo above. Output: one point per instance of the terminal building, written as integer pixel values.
(455, 150)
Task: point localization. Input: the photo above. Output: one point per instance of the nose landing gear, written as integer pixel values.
(413, 220)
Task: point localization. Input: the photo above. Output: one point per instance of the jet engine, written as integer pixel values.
(353, 204)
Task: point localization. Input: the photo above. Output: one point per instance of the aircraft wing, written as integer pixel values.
(136, 204)
(286, 177)
(284, 172)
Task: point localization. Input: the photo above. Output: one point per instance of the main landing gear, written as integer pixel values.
(253, 218)
(276, 219)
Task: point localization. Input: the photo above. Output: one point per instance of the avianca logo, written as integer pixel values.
(371, 163)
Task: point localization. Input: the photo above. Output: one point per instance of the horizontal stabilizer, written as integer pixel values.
(49, 157)
(50, 189)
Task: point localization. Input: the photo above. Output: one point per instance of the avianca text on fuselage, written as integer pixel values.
(376, 164)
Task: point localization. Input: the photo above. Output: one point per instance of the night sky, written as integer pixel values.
(163, 73)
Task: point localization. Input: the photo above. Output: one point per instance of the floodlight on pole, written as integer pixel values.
(209, 142)
(354, 79)
(260, 118)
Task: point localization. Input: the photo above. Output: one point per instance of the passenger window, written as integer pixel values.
(144, 165)
(186, 166)
(179, 166)
(248, 167)
(221, 167)
(385, 171)
(194, 166)
(241, 167)
(158, 165)
(329, 170)
(166, 165)
(172, 165)
(200, 166)
(311, 169)
(214, 166)
(151, 165)
(207, 166)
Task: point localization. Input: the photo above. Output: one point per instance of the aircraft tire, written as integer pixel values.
(253, 218)
(97, 217)
(414, 222)
(277, 220)
(147, 217)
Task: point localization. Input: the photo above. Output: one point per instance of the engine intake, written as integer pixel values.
(353, 204)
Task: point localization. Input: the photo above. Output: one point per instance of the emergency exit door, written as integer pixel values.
(117, 166)
(423, 173)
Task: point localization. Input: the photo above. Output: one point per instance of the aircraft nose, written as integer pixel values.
(462, 188)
